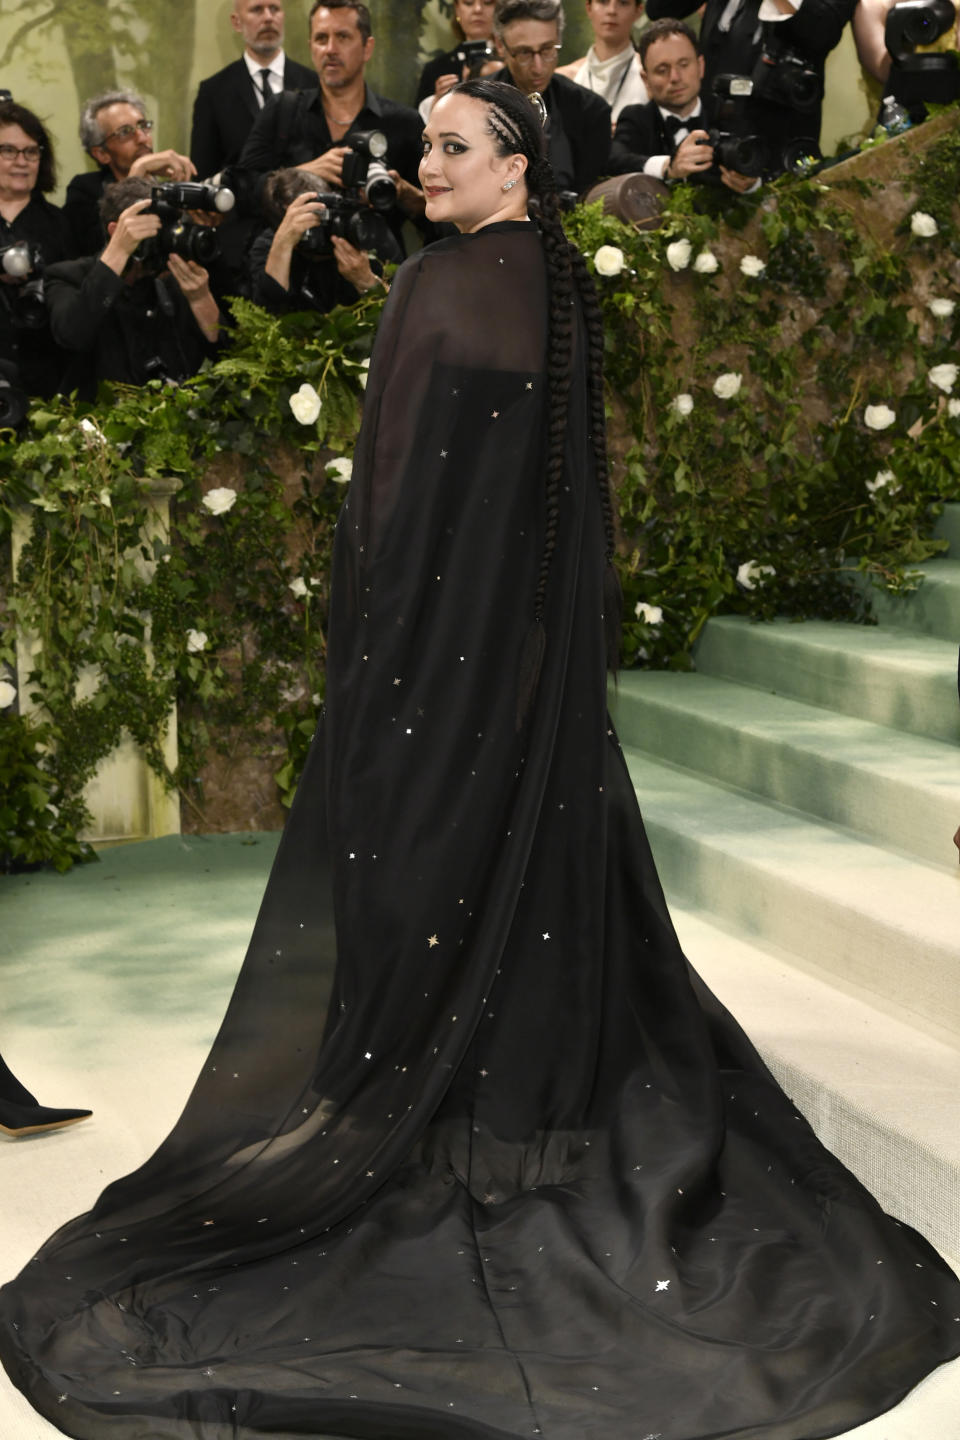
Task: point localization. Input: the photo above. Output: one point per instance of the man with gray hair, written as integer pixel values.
(115, 132)
(527, 34)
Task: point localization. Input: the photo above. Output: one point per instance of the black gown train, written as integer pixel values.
(528, 1177)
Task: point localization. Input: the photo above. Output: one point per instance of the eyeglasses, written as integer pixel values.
(525, 56)
(127, 132)
(13, 152)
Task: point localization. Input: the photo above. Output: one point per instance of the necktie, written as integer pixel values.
(266, 89)
(672, 124)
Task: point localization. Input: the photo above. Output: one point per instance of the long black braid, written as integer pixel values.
(516, 128)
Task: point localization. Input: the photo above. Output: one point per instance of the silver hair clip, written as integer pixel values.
(537, 101)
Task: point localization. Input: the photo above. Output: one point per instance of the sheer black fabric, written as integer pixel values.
(528, 1177)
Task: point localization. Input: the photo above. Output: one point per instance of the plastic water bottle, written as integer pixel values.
(894, 119)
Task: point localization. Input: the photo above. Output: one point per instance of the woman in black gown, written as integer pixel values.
(529, 1178)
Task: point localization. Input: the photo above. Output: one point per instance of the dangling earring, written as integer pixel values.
(508, 185)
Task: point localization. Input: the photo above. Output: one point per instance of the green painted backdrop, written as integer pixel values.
(56, 53)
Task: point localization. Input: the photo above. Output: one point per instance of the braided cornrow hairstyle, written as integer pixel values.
(516, 128)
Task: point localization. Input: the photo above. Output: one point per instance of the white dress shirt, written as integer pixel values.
(276, 74)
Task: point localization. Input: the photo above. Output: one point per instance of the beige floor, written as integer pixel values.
(112, 983)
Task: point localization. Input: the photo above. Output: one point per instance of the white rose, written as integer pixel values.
(8, 693)
(608, 260)
(678, 254)
(727, 385)
(649, 614)
(682, 405)
(750, 572)
(942, 309)
(196, 641)
(92, 432)
(752, 266)
(104, 498)
(944, 377)
(706, 263)
(883, 480)
(923, 224)
(220, 500)
(953, 408)
(305, 404)
(342, 469)
(298, 586)
(878, 417)
(316, 698)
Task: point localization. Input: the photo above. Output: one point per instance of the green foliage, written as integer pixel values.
(38, 822)
(222, 614)
(782, 484)
(774, 500)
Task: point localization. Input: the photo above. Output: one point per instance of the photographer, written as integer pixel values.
(527, 34)
(136, 311)
(667, 138)
(473, 56)
(314, 129)
(301, 265)
(33, 234)
(115, 132)
(782, 47)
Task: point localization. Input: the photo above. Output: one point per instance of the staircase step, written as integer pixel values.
(901, 790)
(933, 608)
(890, 676)
(948, 528)
(866, 916)
(880, 1094)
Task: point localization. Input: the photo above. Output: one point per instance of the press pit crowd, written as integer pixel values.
(301, 183)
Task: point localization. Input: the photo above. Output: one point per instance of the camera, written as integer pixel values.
(357, 213)
(474, 54)
(917, 79)
(178, 235)
(783, 77)
(735, 145)
(365, 174)
(348, 217)
(23, 263)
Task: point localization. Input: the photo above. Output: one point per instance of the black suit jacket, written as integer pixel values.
(580, 142)
(81, 210)
(116, 330)
(640, 134)
(813, 32)
(225, 110)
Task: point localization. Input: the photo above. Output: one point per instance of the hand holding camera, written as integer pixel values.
(693, 156)
(328, 166)
(353, 264)
(134, 226)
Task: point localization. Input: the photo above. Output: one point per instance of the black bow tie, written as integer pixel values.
(672, 124)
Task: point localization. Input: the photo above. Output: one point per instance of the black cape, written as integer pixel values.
(529, 1178)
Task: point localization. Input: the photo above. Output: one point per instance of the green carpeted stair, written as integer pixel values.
(801, 790)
